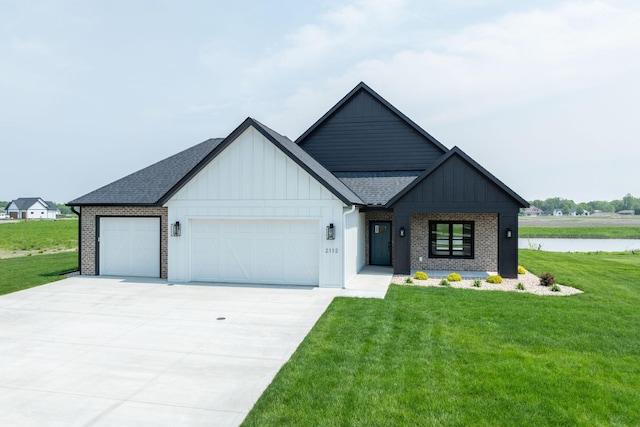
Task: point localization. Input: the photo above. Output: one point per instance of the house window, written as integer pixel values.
(450, 239)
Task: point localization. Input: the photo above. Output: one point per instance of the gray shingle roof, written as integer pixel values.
(149, 185)
(155, 184)
(24, 203)
(377, 188)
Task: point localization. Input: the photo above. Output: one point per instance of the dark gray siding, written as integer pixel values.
(457, 186)
(365, 135)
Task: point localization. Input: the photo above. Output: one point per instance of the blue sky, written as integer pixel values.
(543, 94)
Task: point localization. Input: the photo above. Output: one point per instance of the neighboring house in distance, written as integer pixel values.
(364, 185)
(32, 208)
(557, 212)
(3, 214)
(532, 211)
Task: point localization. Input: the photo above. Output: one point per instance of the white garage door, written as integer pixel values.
(248, 251)
(129, 246)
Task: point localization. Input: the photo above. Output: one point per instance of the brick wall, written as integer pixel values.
(88, 232)
(377, 216)
(485, 243)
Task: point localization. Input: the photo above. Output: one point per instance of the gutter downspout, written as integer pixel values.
(344, 245)
(73, 209)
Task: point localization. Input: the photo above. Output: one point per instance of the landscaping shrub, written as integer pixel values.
(444, 282)
(547, 279)
(521, 270)
(477, 283)
(409, 281)
(520, 287)
(494, 279)
(420, 275)
(454, 277)
(555, 288)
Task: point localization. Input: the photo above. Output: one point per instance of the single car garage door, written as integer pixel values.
(129, 246)
(284, 252)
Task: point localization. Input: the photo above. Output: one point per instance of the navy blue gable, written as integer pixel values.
(364, 133)
(458, 184)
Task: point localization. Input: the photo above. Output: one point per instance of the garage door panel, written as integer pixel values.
(305, 263)
(255, 251)
(129, 247)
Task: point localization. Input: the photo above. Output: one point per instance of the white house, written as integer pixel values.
(362, 186)
(32, 208)
(532, 211)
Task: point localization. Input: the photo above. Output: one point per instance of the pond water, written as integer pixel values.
(579, 245)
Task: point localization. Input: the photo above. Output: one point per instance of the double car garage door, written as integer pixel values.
(282, 252)
(255, 251)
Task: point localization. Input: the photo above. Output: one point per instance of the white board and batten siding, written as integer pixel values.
(355, 258)
(253, 215)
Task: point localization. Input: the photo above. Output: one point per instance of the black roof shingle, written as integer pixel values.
(147, 186)
(155, 184)
(377, 188)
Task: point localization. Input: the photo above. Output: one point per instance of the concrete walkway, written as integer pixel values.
(117, 352)
(371, 282)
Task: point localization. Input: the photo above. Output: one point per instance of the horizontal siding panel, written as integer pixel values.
(364, 135)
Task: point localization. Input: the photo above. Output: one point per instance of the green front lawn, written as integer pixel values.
(39, 235)
(442, 356)
(29, 271)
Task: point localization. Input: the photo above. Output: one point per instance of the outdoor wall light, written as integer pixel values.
(175, 229)
(508, 233)
(401, 231)
(331, 232)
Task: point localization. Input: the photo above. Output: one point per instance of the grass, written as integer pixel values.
(39, 235)
(443, 356)
(580, 232)
(26, 272)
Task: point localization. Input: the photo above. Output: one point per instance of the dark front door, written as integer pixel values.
(380, 238)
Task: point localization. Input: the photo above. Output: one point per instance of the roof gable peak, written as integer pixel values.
(457, 152)
(363, 87)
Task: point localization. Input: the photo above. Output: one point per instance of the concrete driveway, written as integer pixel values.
(113, 352)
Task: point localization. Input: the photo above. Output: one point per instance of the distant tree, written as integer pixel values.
(617, 205)
(3, 204)
(537, 203)
(601, 205)
(627, 202)
(64, 210)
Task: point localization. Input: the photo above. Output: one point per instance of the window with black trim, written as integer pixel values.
(451, 239)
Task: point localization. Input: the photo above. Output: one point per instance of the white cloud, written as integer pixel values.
(336, 34)
(203, 108)
(31, 48)
(512, 60)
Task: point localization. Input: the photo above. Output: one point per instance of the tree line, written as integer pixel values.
(628, 202)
